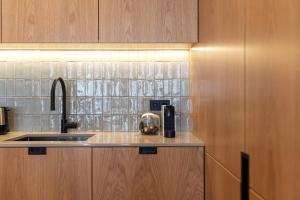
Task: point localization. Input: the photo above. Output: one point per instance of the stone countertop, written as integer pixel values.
(104, 139)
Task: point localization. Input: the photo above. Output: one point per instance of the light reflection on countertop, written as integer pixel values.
(103, 139)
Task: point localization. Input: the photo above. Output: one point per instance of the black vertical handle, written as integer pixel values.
(244, 176)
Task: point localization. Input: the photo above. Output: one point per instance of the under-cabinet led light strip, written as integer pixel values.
(230, 49)
(94, 55)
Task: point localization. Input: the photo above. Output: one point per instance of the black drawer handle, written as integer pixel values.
(148, 150)
(37, 151)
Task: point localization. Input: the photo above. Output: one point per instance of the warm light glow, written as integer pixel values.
(205, 49)
(218, 49)
(94, 55)
(95, 46)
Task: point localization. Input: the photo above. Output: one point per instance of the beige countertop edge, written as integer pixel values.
(105, 139)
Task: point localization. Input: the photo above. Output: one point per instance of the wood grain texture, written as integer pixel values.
(50, 20)
(272, 97)
(254, 196)
(219, 183)
(217, 81)
(62, 174)
(124, 174)
(148, 21)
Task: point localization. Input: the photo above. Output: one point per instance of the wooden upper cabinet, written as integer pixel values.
(50, 21)
(139, 21)
(120, 21)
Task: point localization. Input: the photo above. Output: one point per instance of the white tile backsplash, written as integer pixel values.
(101, 96)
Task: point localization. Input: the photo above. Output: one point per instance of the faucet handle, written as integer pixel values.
(71, 125)
(66, 125)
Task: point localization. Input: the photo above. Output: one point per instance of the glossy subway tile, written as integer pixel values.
(98, 105)
(98, 85)
(101, 96)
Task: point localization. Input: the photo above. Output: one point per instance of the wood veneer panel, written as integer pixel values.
(220, 184)
(122, 173)
(62, 174)
(217, 81)
(148, 21)
(254, 196)
(272, 97)
(50, 20)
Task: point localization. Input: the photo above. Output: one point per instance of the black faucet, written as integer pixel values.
(64, 123)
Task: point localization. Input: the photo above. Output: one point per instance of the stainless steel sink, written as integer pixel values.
(63, 137)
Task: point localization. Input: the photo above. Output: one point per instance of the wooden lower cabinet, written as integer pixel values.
(219, 183)
(61, 174)
(174, 173)
(171, 174)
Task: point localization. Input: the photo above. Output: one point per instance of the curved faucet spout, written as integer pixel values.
(64, 124)
(63, 88)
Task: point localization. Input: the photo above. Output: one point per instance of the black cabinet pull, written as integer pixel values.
(148, 150)
(37, 151)
(244, 176)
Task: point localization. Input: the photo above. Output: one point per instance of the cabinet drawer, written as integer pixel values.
(62, 173)
(170, 173)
